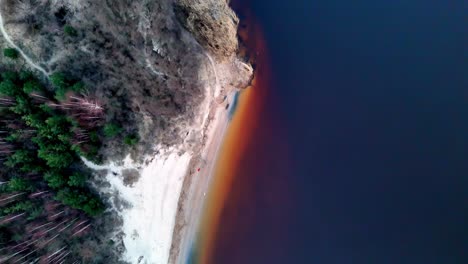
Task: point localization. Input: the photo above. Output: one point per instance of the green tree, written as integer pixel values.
(26, 75)
(55, 158)
(61, 94)
(17, 184)
(78, 87)
(46, 108)
(55, 127)
(10, 76)
(111, 130)
(62, 85)
(93, 206)
(14, 137)
(20, 157)
(33, 167)
(93, 136)
(81, 200)
(35, 120)
(17, 237)
(35, 212)
(32, 86)
(10, 53)
(55, 179)
(19, 207)
(23, 105)
(8, 88)
(77, 180)
(70, 31)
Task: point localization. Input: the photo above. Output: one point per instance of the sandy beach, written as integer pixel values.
(196, 187)
(162, 209)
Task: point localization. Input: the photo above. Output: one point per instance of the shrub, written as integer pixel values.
(131, 140)
(90, 152)
(70, 31)
(93, 136)
(59, 80)
(111, 130)
(10, 53)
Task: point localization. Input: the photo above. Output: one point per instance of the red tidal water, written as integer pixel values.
(248, 206)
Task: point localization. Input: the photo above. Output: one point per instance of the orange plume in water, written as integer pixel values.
(237, 140)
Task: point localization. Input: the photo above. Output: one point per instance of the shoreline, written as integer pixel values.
(161, 210)
(192, 198)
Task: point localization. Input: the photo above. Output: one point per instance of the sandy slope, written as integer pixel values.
(149, 218)
(149, 223)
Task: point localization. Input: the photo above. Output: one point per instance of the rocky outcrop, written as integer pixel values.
(212, 23)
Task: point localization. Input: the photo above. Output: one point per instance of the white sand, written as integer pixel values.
(148, 223)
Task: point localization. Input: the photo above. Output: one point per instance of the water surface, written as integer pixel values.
(359, 145)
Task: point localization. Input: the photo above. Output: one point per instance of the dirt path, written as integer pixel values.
(217, 88)
(12, 44)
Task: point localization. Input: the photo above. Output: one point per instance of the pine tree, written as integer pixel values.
(77, 180)
(8, 88)
(17, 184)
(55, 179)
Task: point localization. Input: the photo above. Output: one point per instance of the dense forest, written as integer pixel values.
(46, 205)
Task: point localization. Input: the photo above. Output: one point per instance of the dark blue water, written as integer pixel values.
(374, 98)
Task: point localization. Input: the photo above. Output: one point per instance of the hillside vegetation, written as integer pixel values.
(45, 200)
